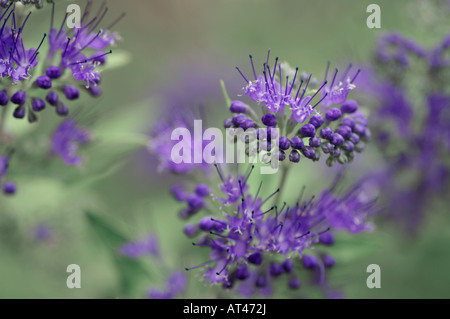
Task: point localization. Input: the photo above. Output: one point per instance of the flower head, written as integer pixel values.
(66, 139)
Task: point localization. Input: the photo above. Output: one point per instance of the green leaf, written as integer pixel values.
(131, 271)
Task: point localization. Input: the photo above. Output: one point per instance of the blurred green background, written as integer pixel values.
(119, 184)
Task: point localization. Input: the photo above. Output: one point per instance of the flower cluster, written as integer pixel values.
(66, 138)
(413, 124)
(336, 128)
(29, 83)
(145, 246)
(254, 243)
(252, 240)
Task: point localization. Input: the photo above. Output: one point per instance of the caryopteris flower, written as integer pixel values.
(175, 285)
(412, 124)
(141, 247)
(254, 243)
(66, 139)
(310, 123)
(30, 81)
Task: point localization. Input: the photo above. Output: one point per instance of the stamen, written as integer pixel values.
(218, 172)
(116, 21)
(37, 50)
(266, 211)
(273, 194)
(326, 94)
(354, 78)
(293, 81)
(275, 69)
(101, 18)
(248, 175)
(324, 83)
(305, 234)
(201, 265)
(334, 78)
(86, 10)
(247, 81)
(253, 67)
(62, 24)
(346, 72)
(259, 188)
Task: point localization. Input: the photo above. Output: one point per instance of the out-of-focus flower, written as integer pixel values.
(66, 139)
(141, 247)
(175, 285)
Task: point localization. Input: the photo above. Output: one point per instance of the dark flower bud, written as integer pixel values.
(327, 148)
(354, 138)
(359, 129)
(315, 142)
(326, 133)
(202, 190)
(327, 238)
(261, 281)
(275, 270)
(190, 230)
(95, 90)
(246, 124)
(294, 157)
(44, 82)
(227, 123)
(242, 272)
(333, 114)
(52, 98)
(349, 106)
(19, 112)
(316, 120)
(62, 109)
(349, 122)
(348, 146)
(3, 98)
(309, 152)
(283, 143)
(238, 119)
(328, 261)
(37, 104)
(238, 107)
(337, 139)
(297, 143)
(255, 258)
(71, 92)
(294, 283)
(53, 72)
(9, 188)
(269, 119)
(288, 265)
(309, 262)
(345, 131)
(19, 98)
(195, 202)
(307, 130)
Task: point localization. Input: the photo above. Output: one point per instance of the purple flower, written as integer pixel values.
(244, 239)
(66, 138)
(175, 285)
(141, 247)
